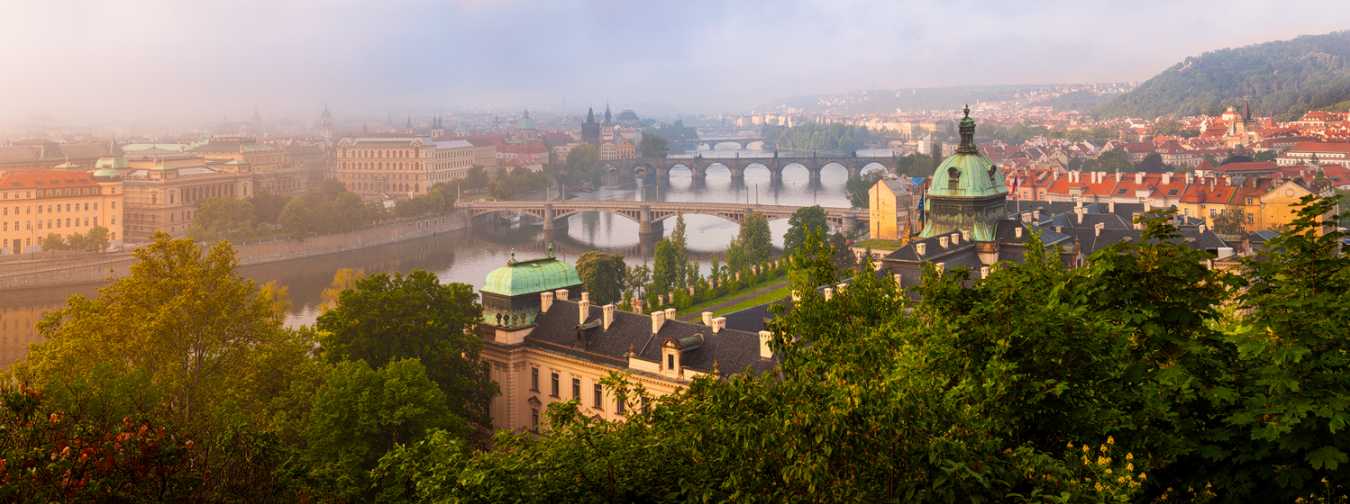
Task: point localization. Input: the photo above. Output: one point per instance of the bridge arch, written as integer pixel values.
(872, 167)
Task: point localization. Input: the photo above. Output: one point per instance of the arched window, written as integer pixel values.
(953, 179)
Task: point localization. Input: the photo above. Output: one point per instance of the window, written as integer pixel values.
(670, 361)
(534, 379)
(576, 389)
(953, 179)
(554, 390)
(534, 419)
(599, 397)
(618, 404)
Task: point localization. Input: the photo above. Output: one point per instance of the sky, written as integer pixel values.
(146, 60)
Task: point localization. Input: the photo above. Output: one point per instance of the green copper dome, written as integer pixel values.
(967, 173)
(106, 174)
(531, 277)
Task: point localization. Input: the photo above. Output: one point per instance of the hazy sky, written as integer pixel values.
(184, 59)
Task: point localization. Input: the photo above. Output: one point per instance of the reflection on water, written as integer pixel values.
(467, 256)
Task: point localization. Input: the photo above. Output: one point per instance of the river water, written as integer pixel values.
(467, 256)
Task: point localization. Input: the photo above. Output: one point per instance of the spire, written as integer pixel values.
(608, 117)
(967, 129)
(590, 115)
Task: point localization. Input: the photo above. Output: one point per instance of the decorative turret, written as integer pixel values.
(966, 192)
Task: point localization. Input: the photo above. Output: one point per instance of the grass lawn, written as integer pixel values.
(877, 244)
(768, 297)
(696, 311)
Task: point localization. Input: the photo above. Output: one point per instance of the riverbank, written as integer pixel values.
(102, 268)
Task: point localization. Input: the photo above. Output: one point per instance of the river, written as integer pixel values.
(467, 256)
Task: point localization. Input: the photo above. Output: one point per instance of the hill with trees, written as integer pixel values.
(1283, 78)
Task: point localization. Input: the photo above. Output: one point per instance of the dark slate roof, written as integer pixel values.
(557, 330)
(752, 319)
(933, 249)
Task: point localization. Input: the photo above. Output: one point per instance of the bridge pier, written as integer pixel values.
(548, 219)
(815, 175)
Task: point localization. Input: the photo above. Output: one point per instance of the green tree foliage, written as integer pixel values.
(96, 240)
(837, 138)
(857, 189)
(1284, 78)
(359, 413)
(390, 317)
(1112, 160)
(224, 219)
(343, 279)
(582, 166)
(653, 146)
(811, 264)
(665, 268)
(477, 178)
(516, 182)
(328, 210)
(753, 243)
(187, 342)
(1128, 379)
(915, 165)
(1153, 162)
(805, 221)
(440, 198)
(1229, 222)
(1266, 155)
(679, 240)
(602, 275)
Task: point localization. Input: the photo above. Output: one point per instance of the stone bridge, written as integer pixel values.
(742, 141)
(649, 215)
(658, 170)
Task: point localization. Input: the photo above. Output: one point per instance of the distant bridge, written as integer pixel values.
(658, 169)
(742, 141)
(648, 215)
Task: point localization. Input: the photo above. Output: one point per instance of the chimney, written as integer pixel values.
(1118, 176)
(1097, 228)
(658, 320)
(707, 318)
(1079, 212)
(1201, 228)
(1036, 214)
(1166, 178)
(545, 301)
(1147, 206)
(637, 305)
(899, 281)
(1017, 232)
(829, 293)
(1225, 252)
(1111, 206)
(562, 294)
(1139, 177)
(583, 310)
(608, 311)
(765, 352)
(670, 314)
(943, 241)
(585, 296)
(920, 248)
(1190, 177)
(718, 324)
(984, 271)
(956, 238)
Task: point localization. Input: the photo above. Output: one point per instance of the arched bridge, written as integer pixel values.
(659, 169)
(646, 213)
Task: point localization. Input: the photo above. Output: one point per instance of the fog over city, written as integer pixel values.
(77, 61)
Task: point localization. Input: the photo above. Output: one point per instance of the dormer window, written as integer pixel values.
(953, 179)
(670, 361)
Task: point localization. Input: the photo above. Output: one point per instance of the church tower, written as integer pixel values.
(590, 130)
(966, 192)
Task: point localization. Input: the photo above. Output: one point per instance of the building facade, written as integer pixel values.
(38, 203)
(889, 205)
(405, 167)
(543, 346)
(163, 191)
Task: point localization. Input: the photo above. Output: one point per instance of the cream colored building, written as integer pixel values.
(543, 347)
(405, 167)
(273, 171)
(617, 150)
(163, 191)
(38, 203)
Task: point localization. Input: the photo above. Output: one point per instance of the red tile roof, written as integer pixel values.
(45, 179)
(1321, 147)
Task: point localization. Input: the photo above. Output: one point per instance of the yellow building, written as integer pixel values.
(38, 203)
(888, 206)
(163, 190)
(1279, 205)
(543, 347)
(405, 167)
(617, 150)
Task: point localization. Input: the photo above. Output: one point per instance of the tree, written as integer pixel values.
(186, 340)
(680, 241)
(653, 146)
(806, 220)
(665, 268)
(602, 275)
(753, 243)
(96, 240)
(811, 265)
(54, 241)
(635, 279)
(1266, 155)
(360, 413)
(343, 279)
(477, 178)
(389, 317)
(223, 219)
(1153, 162)
(582, 165)
(858, 188)
(1229, 222)
(843, 255)
(1236, 158)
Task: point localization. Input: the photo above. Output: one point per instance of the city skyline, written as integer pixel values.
(166, 62)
